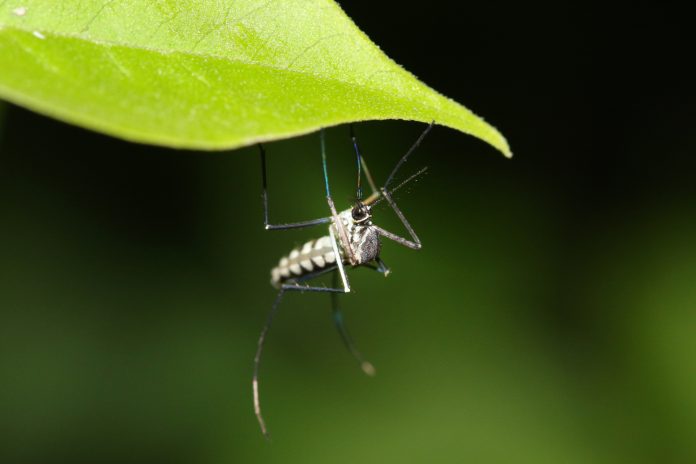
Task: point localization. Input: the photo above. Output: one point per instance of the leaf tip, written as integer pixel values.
(506, 150)
(498, 141)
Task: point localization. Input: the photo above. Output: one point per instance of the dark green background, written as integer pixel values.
(549, 318)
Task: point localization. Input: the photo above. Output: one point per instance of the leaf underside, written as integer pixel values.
(209, 74)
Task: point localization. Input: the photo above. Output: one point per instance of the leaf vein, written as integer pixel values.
(96, 15)
(165, 22)
(309, 47)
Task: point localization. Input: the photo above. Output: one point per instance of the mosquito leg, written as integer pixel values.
(257, 363)
(376, 268)
(292, 225)
(416, 243)
(382, 266)
(339, 261)
(337, 223)
(262, 338)
(337, 313)
(400, 240)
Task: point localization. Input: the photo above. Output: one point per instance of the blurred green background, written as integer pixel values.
(549, 318)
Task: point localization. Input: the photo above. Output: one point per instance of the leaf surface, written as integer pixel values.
(209, 74)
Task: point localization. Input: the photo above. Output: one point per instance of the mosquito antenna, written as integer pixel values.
(402, 184)
(358, 189)
(408, 153)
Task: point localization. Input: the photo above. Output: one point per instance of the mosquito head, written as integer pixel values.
(361, 212)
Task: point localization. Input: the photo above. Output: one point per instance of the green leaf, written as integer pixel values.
(209, 74)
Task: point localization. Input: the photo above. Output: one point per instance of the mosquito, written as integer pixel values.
(353, 240)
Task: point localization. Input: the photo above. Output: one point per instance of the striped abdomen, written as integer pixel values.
(313, 256)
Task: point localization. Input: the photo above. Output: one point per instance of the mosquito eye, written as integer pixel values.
(357, 213)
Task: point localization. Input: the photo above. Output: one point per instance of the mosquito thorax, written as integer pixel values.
(363, 237)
